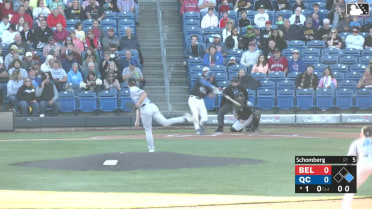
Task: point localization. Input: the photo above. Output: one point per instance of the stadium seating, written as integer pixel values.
(310, 52)
(340, 76)
(87, 101)
(324, 99)
(342, 68)
(351, 52)
(346, 59)
(266, 99)
(365, 59)
(284, 13)
(348, 84)
(285, 84)
(108, 101)
(67, 101)
(305, 99)
(358, 67)
(354, 76)
(316, 44)
(331, 51)
(363, 98)
(367, 51)
(252, 96)
(319, 67)
(285, 99)
(310, 60)
(267, 84)
(258, 76)
(329, 59)
(344, 98)
(210, 103)
(220, 76)
(298, 44)
(126, 103)
(276, 76)
(292, 76)
(125, 15)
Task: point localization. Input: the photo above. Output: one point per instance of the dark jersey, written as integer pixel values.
(201, 88)
(243, 111)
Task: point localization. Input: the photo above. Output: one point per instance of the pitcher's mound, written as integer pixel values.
(137, 161)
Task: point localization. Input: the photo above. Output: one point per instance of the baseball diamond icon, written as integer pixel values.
(355, 9)
(343, 174)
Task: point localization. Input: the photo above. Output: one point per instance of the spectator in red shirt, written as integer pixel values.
(22, 13)
(224, 6)
(55, 18)
(60, 34)
(278, 62)
(6, 10)
(224, 19)
(92, 41)
(189, 6)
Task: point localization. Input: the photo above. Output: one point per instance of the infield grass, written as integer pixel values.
(273, 177)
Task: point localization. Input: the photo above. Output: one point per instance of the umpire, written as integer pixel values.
(226, 105)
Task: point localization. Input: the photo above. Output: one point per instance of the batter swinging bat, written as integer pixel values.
(232, 100)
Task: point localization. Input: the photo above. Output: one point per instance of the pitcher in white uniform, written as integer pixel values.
(148, 110)
(362, 148)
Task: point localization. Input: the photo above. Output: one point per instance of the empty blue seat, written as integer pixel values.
(305, 99)
(108, 100)
(331, 51)
(220, 76)
(191, 22)
(284, 13)
(292, 76)
(87, 101)
(339, 68)
(358, 67)
(349, 60)
(344, 98)
(351, 52)
(223, 84)
(320, 67)
(111, 15)
(218, 68)
(126, 103)
(191, 15)
(310, 60)
(108, 23)
(363, 98)
(276, 76)
(211, 30)
(296, 44)
(267, 84)
(67, 101)
(329, 59)
(124, 22)
(285, 99)
(310, 52)
(125, 15)
(285, 84)
(324, 99)
(367, 51)
(266, 99)
(354, 76)
(258, 76)
(340, 76)
(195, 61)
(316, 44)
(365, 59)
(347, 84)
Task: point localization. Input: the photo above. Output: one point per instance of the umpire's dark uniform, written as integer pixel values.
(226, 105)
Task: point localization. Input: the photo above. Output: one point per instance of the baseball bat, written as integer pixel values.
(232, 100)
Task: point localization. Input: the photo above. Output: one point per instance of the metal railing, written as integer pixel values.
(163, 55)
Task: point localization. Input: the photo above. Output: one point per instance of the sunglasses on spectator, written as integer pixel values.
(355, 31)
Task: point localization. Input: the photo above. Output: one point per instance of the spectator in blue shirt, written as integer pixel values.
(74, 77)
(296, 64)
(213, 57)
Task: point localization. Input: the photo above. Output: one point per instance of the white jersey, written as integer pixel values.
(135, 94)
(363, 149)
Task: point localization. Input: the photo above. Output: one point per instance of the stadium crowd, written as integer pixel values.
(314, 43)
(49, 46)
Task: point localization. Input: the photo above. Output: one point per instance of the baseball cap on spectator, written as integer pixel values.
(28, 54)
(294, 51)
(268, 22)
(30, 68)
(68, 39)
(261, 6)
(216, 36)
(232, 58)
(13, 47)
(252, 44)
(69, 52)
(132, 81)
(205, 69)
(110, 29)
(249, 27)
(51, 38)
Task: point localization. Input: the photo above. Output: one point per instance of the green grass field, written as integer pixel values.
(273, 177)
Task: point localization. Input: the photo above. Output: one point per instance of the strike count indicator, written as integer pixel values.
(323, 177)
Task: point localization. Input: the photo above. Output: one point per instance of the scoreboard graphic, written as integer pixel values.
(325, 174)
(355, 9)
